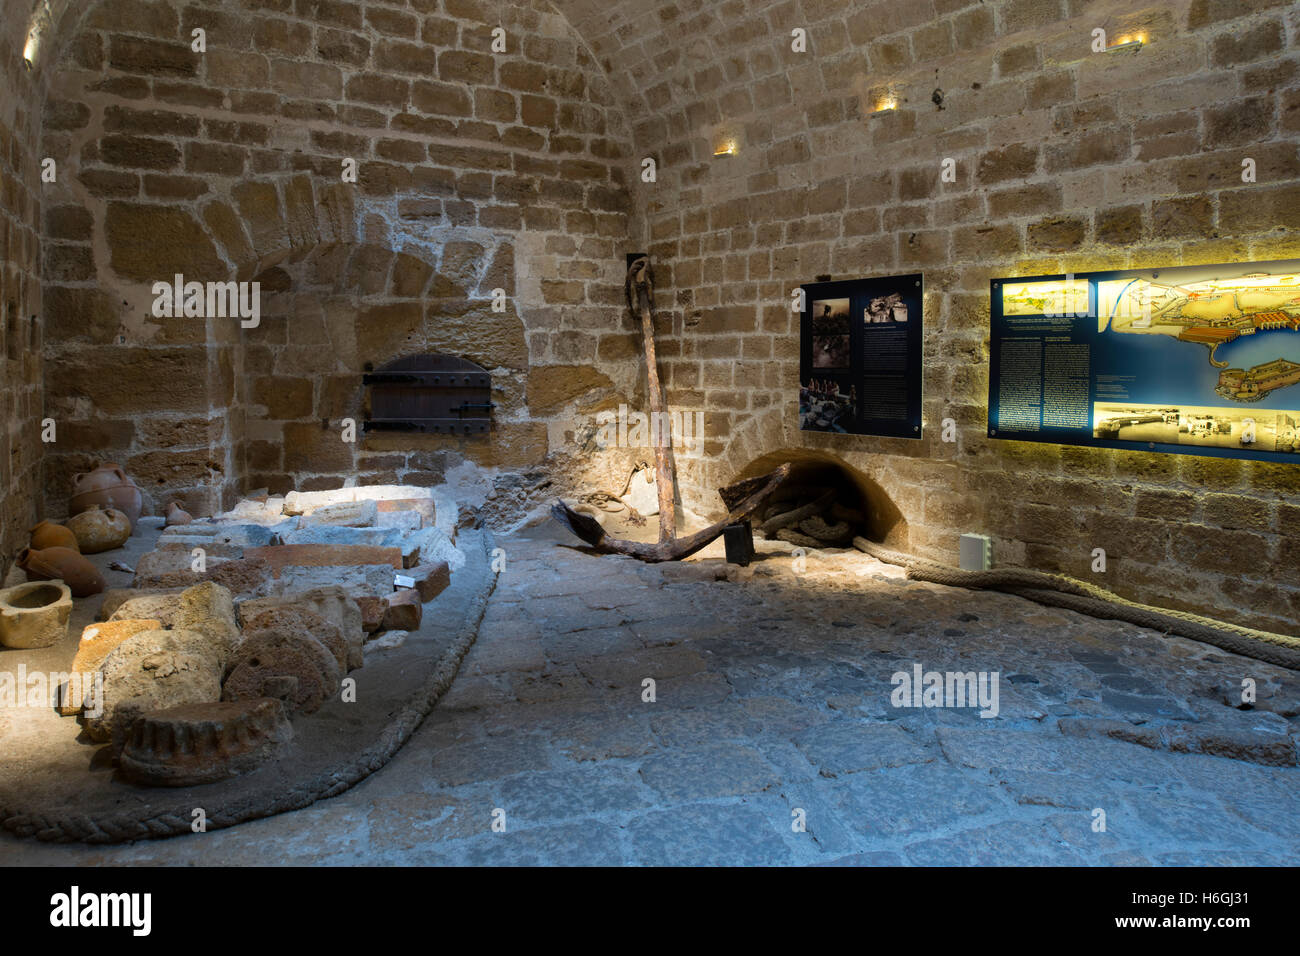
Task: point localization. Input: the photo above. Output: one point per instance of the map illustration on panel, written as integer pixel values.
(1215, 313)
(1200, 359)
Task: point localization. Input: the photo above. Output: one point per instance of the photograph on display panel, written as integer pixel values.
(860, 357)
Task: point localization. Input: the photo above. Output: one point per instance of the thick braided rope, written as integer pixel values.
(1060, 590)
(119, 828)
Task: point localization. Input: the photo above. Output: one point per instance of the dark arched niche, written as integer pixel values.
(885, 522)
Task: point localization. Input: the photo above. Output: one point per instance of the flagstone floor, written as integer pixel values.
(768, 734)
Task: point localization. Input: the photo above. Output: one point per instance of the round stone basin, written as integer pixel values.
(42, 596)
(34, 614)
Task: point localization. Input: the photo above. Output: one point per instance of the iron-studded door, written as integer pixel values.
(430, 393)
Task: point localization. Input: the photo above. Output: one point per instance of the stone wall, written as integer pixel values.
(474, 164)
(1067, 160)
(21, 329)
(475, 170)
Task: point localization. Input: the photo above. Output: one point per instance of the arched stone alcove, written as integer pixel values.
(391, 194)
(885, 523)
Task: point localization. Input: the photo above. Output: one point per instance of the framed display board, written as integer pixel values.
(860, 357)
(1201, 360)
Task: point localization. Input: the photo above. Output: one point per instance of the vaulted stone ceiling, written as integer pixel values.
(684, 70)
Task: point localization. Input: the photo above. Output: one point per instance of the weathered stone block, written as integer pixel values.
(139, 55)
(330, 534)
(228, 533)
(1242, 46)
(372, 611)
(346, 514)
(259, 207)
(399, 522)
(153, 243)
(306, 79)
(97, 642)
(153, 670)
(124, 604)
(332, 603)
(424, 507)
(312, 449)
(1012, 162)
(431, 579)
(211, 548)
(404, 610)
(228, 230)
(166, 561)
(324, 555)
(209, 610)
(246, 576)
(353, 579)
(551, 387)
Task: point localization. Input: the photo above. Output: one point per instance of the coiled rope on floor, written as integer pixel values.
(1059, 590)
(121, 827)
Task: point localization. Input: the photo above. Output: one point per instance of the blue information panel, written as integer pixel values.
(1201, 360)
(860, 357)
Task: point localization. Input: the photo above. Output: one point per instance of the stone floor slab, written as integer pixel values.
(772, 699)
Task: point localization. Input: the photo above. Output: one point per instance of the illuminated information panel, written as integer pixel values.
(1201, 360)
(860, 357)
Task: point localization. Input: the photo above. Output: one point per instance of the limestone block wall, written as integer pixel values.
(476, 165)
(476, 170)
(1066, 160)
(21, 331)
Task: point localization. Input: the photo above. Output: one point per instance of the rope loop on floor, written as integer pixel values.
(122, 827)
(1059, 590)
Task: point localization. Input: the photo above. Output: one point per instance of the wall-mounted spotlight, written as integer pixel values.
(30, 49)
(42, 17)
(1129, 41)
(883, 100)
(725, 148)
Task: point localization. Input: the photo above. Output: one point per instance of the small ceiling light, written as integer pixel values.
(726, 149)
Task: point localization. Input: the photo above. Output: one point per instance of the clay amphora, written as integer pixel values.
(100, 529)
(65, 564)
(47, 534)
(177, 515)
(109, 487)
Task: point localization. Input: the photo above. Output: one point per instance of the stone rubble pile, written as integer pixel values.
(237, 623)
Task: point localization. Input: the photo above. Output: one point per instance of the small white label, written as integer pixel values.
(402, 581)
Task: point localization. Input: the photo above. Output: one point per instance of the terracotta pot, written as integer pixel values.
(47, 534)
(62, 564)
(177, 515)
(109, 487)
(100, 529)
